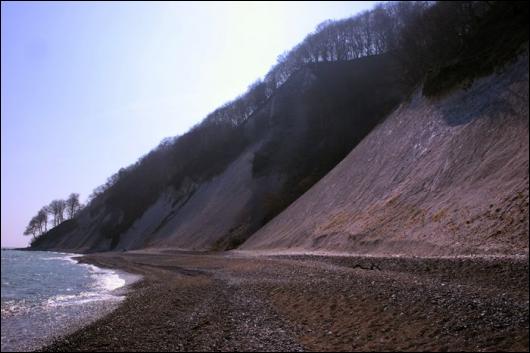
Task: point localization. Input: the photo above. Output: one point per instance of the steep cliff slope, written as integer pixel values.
(447, 175)
(297, 136)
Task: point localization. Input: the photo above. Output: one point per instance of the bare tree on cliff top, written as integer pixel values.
(57, 208)
(72, 205)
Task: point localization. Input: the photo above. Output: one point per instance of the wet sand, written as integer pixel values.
(236, 301)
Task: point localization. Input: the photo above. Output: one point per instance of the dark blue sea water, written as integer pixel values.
(47, 293)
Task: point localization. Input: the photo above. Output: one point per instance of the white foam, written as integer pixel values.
(62, 258)
(81, 298)
(110, 281)
(105, 281)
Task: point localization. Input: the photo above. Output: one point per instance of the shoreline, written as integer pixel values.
(94, 310)
(63, 316)
(203, 302)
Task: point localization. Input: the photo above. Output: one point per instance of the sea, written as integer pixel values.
(49, 294)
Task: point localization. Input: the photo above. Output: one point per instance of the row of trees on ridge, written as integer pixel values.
(57, 209)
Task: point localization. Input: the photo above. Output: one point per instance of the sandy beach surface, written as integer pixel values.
(244, 302)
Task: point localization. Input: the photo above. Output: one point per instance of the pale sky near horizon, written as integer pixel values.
(88, 88)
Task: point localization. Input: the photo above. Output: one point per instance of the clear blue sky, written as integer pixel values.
(88, 88)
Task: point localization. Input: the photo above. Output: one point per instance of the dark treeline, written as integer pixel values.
(38, 225)
(430, 41)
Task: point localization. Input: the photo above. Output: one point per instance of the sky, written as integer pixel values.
(88, 88)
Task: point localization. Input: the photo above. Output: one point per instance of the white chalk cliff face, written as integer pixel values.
(440, 176)
(222, 211)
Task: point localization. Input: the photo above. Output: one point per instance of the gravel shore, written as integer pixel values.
(241, 302)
